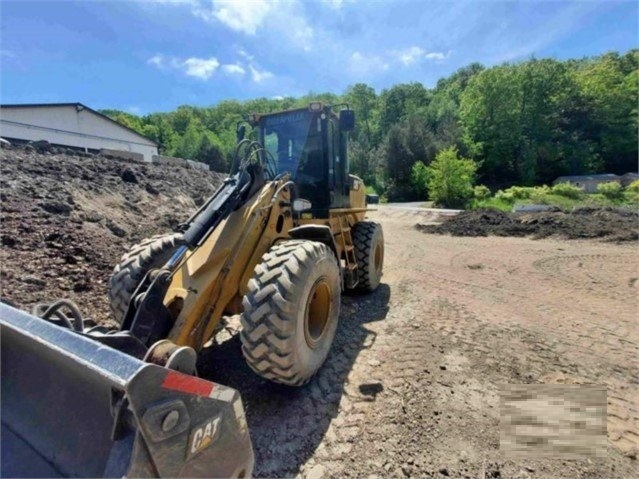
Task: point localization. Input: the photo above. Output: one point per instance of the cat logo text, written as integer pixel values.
(203, 435)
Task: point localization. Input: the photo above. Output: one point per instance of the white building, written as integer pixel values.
(71, 124)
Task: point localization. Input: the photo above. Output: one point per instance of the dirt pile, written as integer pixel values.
(605, 223)
(68, 218)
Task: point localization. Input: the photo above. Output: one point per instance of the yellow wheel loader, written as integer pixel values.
(278, 243)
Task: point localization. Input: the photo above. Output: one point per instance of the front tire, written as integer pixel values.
(291, 311)
(141, 258)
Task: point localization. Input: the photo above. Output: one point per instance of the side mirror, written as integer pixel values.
(241, 130)
(347, 120)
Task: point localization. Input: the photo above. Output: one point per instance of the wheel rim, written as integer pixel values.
(379, 256)
(318, 308)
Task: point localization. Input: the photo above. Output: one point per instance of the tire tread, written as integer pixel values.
(268, 329)
(133, 265)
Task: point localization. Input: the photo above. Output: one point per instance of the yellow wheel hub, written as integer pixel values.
(318, 308)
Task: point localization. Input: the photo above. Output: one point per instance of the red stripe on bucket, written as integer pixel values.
(187, 384)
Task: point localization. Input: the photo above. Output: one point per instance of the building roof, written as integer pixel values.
(607, 176)
(79, 107)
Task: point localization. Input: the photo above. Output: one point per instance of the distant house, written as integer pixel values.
(588, 182)
(72, 125)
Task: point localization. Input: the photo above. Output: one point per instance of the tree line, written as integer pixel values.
(519, 123)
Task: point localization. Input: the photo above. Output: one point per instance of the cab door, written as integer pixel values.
(338, 176)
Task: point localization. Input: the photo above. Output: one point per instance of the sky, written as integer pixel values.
(144, 56)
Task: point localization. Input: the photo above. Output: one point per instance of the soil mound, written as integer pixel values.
(603, 223)
(68, 218)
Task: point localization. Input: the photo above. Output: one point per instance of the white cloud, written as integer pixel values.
(436, 56)
(172, 2)
(301, 32)
(200, 67)
(362, 64)
(234, 69)
(414, 54)
(410, 55)
(259, 76)
(336, 4)
(157, 60)
(205, 68)
(283, 18)
(246, 55)
(238, 15)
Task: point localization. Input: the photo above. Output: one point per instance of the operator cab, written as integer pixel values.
(310, 145)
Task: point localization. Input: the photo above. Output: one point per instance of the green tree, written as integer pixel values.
(189, 144)
(451, 179)
(442, 114)
(419, 178)
(400, 102)
(609, 83)
(209, 151)
(490, 112)
(406, 143)
(365, 138)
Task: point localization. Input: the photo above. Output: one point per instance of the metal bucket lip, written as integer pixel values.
(115, 366)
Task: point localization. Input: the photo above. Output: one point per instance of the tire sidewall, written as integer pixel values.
(310, 359)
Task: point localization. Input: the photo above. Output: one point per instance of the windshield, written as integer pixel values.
(290, 139)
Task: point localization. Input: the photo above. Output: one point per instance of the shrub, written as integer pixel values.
(567, 190)
(505, 196)
(521, 192)
(633, 187)
(513, 193)
(419, 178)
(611, 190)
(450, 179)
(481, 192)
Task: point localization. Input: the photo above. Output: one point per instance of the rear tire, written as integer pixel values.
(368, 239)
(291, 311)
(148, 254)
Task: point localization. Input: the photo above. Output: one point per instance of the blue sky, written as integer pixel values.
(145, 56)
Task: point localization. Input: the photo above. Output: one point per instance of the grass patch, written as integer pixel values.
(565, 197)
(495, 203)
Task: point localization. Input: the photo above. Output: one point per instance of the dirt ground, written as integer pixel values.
(68, 218)
(411, 386)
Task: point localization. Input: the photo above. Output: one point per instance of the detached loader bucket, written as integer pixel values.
(73, 407)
